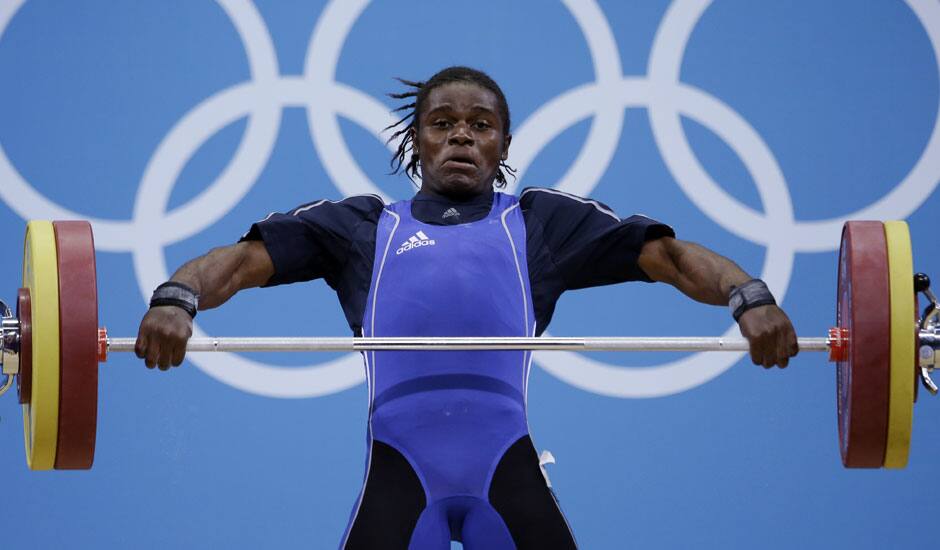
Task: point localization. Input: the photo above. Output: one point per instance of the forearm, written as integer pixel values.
(215, 277)
(709, 277)
(224, 271)
(696, 271)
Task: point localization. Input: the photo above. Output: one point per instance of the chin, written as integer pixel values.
(462, 187)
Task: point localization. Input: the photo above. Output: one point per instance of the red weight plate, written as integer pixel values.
(78, 341)
(863, 379)
(24, 380)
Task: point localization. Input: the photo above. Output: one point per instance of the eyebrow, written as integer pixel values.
(475, 108)
(482, 108)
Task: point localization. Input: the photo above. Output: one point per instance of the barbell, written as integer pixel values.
(52, 344)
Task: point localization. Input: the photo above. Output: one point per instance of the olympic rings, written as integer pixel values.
(263, 98)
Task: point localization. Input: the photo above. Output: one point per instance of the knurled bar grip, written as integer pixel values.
(236, 344)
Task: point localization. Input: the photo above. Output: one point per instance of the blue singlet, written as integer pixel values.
(452, 415)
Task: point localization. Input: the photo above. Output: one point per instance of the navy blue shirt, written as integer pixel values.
(571, 243)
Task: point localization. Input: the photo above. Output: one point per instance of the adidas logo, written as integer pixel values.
(451, 212)
(414, 241)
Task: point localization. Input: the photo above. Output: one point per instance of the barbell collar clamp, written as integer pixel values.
(9, 341)
(929, 333)
(9, 346)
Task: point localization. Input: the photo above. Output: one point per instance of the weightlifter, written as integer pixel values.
(449, 454)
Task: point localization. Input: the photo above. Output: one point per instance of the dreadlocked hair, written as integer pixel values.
(407, 126)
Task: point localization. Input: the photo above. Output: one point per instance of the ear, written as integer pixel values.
(507, 139)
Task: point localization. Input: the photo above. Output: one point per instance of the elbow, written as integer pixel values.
(659, 259)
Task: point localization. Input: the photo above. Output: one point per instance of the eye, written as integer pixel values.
(482, 125)
(441, 123)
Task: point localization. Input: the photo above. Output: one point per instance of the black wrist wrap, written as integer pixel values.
(749, 295)
(176, 294)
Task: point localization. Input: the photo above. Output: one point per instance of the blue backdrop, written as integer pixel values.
(755, 128)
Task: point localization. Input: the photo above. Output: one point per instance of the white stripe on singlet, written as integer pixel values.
(370, 368)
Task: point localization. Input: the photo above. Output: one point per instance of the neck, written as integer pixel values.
(459, 197)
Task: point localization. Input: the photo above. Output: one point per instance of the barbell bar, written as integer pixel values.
(249, 344)
(52, 345)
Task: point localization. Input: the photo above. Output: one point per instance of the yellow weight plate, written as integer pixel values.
(41, 277)
(901, 403)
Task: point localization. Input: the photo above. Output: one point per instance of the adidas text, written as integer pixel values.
(414, 241)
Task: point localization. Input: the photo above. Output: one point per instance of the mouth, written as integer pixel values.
(460, 161)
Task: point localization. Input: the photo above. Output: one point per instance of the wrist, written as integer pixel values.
(173, 293)
(753, 293)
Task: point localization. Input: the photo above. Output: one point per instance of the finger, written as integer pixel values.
(153, 354)
(757, 357)
(793, 347)
(167, 353)
(140, 346)
(164, 361)
(783, 355)
(768, 345)
(178, 355)
(761, 352)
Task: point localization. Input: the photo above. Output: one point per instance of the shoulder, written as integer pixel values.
(336, 217)
(548, 203)
(363, 205)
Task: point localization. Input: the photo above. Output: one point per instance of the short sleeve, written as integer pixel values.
(313, 240)
(586, 241)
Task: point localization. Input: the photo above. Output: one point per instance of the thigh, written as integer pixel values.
(432, 531)
(519, 493)
(391, 502)
(484, 529)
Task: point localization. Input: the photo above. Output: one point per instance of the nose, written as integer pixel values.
(460, 135)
